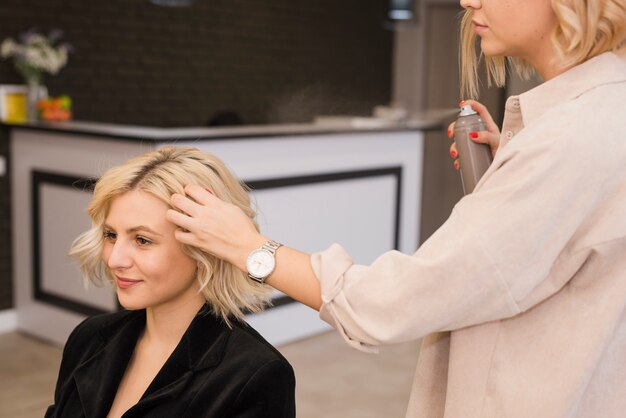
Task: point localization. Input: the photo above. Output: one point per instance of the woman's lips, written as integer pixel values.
(124, 283)
(479, 28)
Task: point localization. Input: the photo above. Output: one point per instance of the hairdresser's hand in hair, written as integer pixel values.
(224, 230)
(215, 226)
(491, 136)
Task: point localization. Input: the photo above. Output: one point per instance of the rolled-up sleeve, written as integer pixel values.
(495, 255)
(403, 297)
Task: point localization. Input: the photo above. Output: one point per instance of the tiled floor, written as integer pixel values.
(28, 371)
(333, 380)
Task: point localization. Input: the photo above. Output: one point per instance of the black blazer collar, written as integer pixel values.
(201, 347)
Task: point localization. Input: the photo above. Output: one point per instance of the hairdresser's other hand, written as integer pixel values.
(217, 227)
(490, 137)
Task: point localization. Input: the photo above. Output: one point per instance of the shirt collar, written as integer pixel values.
(605, 68)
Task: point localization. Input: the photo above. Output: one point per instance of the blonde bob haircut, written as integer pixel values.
(227, 290)
(584, 29)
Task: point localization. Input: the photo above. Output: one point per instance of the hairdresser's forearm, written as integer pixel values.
(293, 275)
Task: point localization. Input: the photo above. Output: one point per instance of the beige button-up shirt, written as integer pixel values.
(521, 295)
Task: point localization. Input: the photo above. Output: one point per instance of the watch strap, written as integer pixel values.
(271, 246)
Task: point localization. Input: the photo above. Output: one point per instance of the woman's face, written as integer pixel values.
(517, 28)
(145, 259)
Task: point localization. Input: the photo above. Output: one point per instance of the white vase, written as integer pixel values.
(32, 97)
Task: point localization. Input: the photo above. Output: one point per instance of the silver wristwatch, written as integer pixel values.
(262, 261)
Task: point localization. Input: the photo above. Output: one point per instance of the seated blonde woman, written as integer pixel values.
(181, 347)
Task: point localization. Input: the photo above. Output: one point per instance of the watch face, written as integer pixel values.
(260, 263)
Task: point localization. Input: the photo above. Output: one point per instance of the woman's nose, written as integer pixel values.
(119, 257)
(470, 4)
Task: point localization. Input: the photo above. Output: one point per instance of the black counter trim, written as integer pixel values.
(395, 171)
(38, 178)
(273, 183)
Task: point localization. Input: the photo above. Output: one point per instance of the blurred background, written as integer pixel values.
(271, 62)
(223, 63)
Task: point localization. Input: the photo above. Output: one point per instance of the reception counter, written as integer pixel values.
(312, 185)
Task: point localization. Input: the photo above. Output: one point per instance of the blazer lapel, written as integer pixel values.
(99, 376)
(201, 347)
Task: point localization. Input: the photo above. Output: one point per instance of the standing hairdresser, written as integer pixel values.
(520, 296)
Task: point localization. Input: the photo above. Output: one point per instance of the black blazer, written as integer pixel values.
(213, 372)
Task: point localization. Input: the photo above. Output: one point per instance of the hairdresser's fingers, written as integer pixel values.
(217, 227)
(179, 219)
(454, 153)
(492, 135)
(185, 204)
(186, 237)
(451, 130)
(201, 231)
(486, 137)
(199, 194)
(484, 114)
(457, 165)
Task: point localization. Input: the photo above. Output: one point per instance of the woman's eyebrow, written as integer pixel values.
(136, 229)
(143, 228)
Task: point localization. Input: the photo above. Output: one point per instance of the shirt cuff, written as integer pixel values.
(329, 267)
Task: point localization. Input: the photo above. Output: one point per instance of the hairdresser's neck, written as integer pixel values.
(166, 324)
(545, 62)
(548, 71)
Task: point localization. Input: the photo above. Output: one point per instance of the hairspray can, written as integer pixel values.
(474, 158)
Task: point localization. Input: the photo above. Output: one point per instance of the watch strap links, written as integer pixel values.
(271, 246)
(260, 280)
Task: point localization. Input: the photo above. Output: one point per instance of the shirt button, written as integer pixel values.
(509, 134)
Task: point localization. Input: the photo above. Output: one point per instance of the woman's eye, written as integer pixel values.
(143, 241)
(110, 235)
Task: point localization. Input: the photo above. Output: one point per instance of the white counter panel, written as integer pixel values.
(361, 190)
(44, 166)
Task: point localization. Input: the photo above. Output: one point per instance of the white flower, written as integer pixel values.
(8, 48)
(36, 54)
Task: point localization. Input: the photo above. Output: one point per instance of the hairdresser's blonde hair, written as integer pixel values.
(585, 28)
(228, 291)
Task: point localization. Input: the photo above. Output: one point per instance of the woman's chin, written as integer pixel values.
(130, 305)
(490, 50)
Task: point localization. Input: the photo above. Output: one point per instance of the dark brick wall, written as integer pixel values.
(271, 61)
